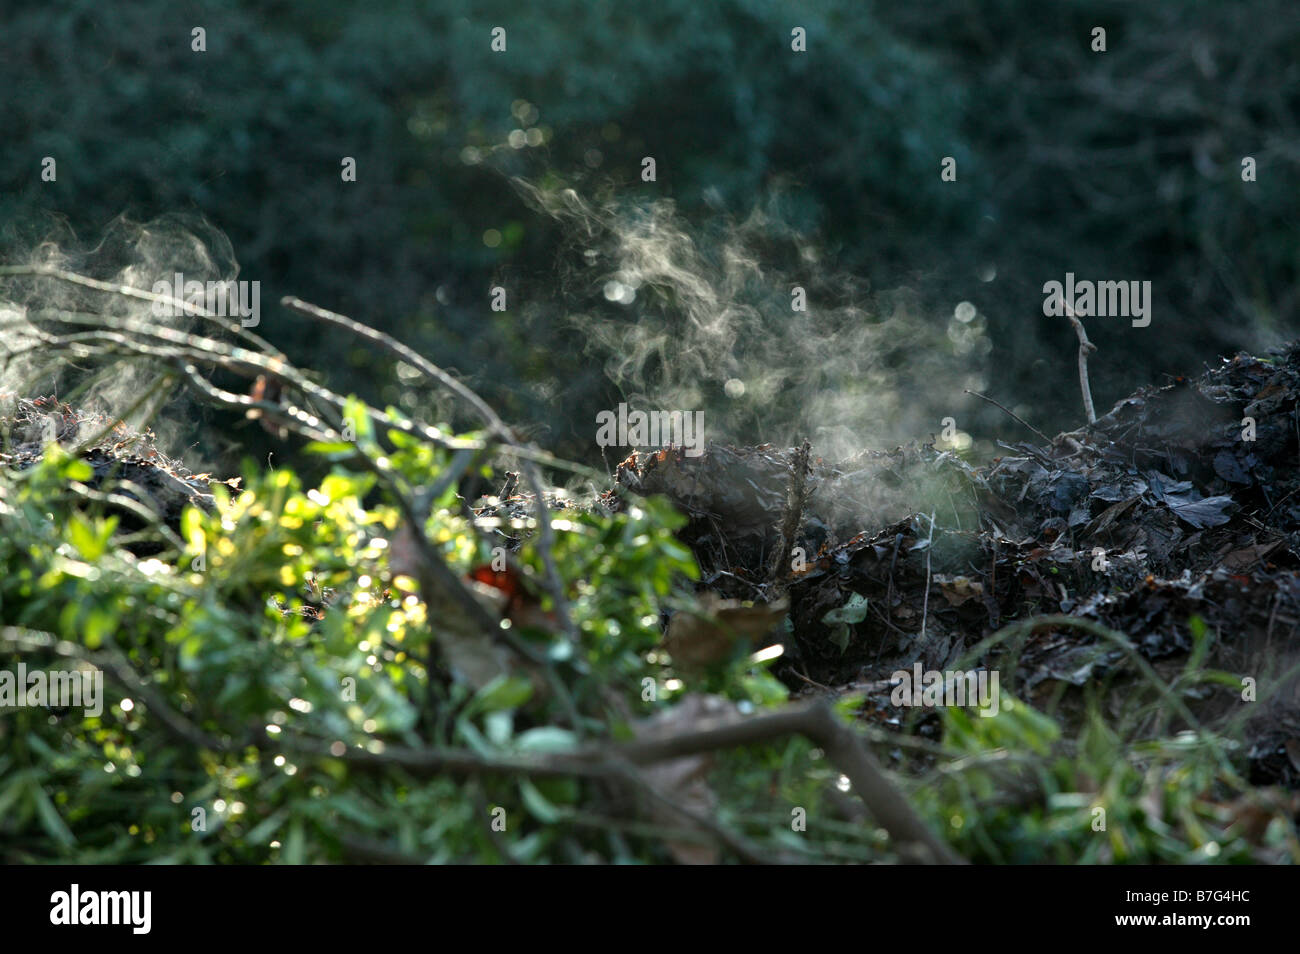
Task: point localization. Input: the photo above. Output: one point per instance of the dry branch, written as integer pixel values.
(1086, 348)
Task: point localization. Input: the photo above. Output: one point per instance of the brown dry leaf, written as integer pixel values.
(959, 589)
(697, 641)
(1239, 561)
(1108, 517)
(684, 781)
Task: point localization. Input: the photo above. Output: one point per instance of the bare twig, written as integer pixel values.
(404, 353)
(496, 426)
(179, 346)
(984, 397)
(1086, 348)
(929, 547)
(113, 288)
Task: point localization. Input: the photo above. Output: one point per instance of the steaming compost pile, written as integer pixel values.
(1176, 512)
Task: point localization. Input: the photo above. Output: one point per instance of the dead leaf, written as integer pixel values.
(1238, 561)
(696, 641)
(684, 781)
(959, 589)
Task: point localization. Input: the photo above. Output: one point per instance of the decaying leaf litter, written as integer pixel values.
(1175, 513)
(151, 486)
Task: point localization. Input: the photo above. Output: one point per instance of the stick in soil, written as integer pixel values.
(1086, 348)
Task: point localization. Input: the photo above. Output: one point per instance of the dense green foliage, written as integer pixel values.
(236, 674)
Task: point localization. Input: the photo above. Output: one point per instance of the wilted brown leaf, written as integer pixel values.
(697, 641)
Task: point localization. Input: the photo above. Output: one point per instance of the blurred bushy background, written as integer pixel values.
(774, 169)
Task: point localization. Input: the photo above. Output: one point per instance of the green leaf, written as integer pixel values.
(17, 788)
(547, 738)
(354, 413)
(262, 833)
(83, 537)
(335, 450)
(51, 820)
(847, 705)
(499, 726)
(295, 846)
(840, 636)
(503, 692)
(1200, 643)
(473, 737)
(852, 612)
(839, 620)
(99, 623)
(537, 804)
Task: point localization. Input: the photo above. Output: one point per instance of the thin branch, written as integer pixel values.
(404, 353)
(1086, 348)
(984, 397)
(237, 360)
(929, 548)
(816, 722)
(127, 291)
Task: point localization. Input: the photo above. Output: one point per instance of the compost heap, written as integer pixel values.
(1176, 512)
